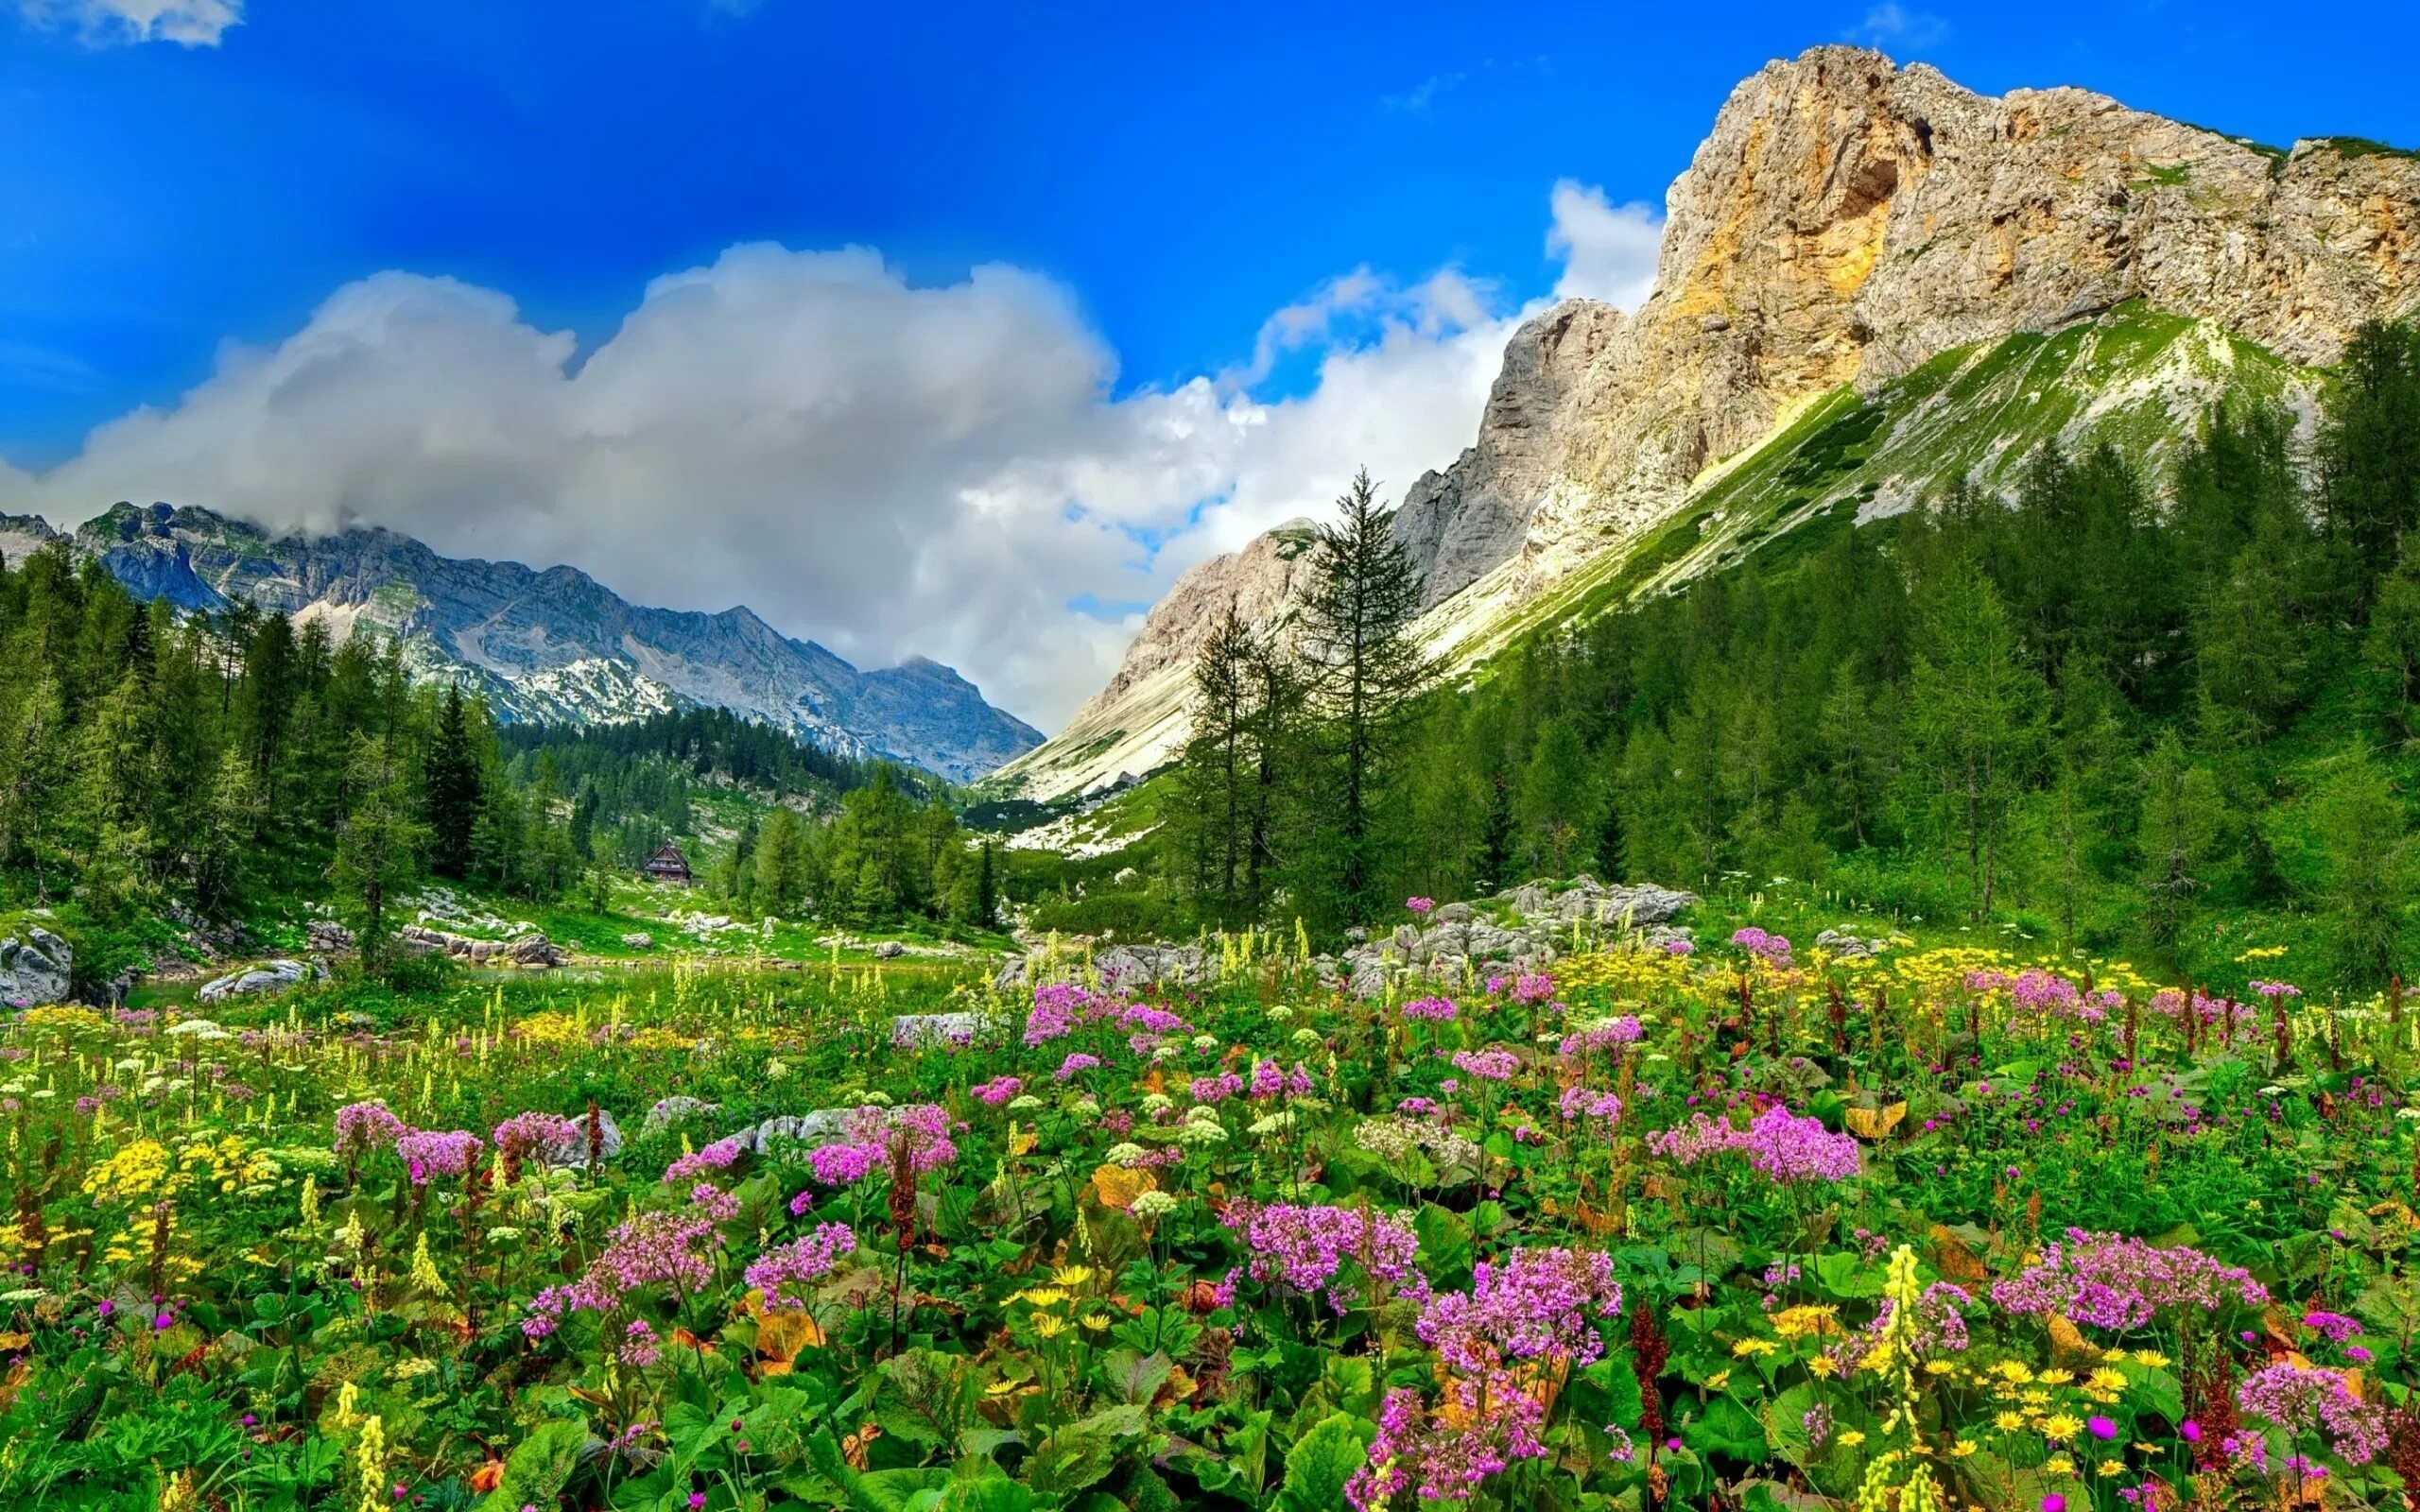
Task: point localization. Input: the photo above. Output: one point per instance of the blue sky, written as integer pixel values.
(186, 174)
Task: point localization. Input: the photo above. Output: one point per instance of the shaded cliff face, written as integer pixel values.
(1847, 227)
(556, 644)
(1137, 722)
(1848, 219)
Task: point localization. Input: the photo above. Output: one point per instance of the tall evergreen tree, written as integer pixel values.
(1364, 667)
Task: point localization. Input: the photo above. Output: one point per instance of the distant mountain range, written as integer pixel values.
(554, 645)
(1873, 284)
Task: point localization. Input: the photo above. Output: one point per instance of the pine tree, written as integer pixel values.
(2365, 896)
(378, 847)
(1363, 667)
(1974, 715)
(450, 788)
(1554, 796)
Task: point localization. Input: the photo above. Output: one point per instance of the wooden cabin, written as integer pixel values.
(667, 865)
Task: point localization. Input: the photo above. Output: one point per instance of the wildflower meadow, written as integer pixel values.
(1748, 1226)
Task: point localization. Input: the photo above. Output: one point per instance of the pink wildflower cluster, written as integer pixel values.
(1534, 1307)
(672, 1250)
(719, 1156)
(1304, 1246)
(1532, 1304)
(1776, 1141)
(1533, 986)
(780, 1273)
(2115, 1283)
(1077, 1061)
(1493, 1064)
(868, 1138)
(1421, 907)
(438, 1152)
(1582, 1102)
(1061, 1007)
(1438, 1460)
(364, 1126)
(1436, 1010)
(544, 1137)
(998, 1091)
(1612, 1034)
(1217, 1088)
(1773, 950)
(2315, 1400)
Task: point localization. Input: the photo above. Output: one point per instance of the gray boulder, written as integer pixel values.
(328, 937)
(676, 1109)
(269, 976)
(804, 1128)
(915, 1031)
(34, 969)
(890, 950)
(609, 1138)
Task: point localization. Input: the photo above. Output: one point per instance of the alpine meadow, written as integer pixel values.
(1771, 868)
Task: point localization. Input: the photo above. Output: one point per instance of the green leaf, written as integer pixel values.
(1081, 1453)
(536, 1470)
(1445, 1241)
(1136, 1378)
(1726, 1429)
(1322, 1461)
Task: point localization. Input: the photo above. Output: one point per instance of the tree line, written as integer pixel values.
(152, 762)
(2138, 712)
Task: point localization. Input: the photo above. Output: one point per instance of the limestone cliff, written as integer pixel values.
(1847, 222)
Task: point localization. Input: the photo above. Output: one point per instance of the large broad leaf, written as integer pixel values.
(830, 1481)
(1322, 1461)
(538, 1467)
(1727, 1429)
(1444, 1243)
(1134, 1377)
(1081, 1453)
(994, 1494)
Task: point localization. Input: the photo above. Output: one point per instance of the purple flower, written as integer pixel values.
(1437, 1011)
(780, 1273)
(2112, 1281)
(1777, 1142)
(1306, 1247)
(719, 1156)
(998, 1091)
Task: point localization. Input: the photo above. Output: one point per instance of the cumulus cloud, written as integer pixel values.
(886, 466)
(1608, 251)
(107, 23)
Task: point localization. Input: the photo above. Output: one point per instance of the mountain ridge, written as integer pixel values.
(1845, 222)
(546, 644)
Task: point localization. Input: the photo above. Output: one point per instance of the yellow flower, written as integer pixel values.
(2009, 1422)
(1824, 1364)
(2152, 1359)
(2056, 1378)
(2058, 1465)
(2105, 1379)
(1852, 1439)
(1939, 1367)
(1718, 1381)
(2112, 1466)
(1962, 1448)
(1048, 1325)
(2016, 1374)
(1071, 1276)
(1751, 1346)
(2064, 1425)
(1044, 1296)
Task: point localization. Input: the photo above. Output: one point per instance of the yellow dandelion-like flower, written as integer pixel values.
(2009, 1422)
(1852, 1439)
(2062, 1425)
(2151, 1359)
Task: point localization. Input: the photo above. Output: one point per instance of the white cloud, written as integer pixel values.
(1608, 251)
(884, 467)
(105, 23)
(1891, 24)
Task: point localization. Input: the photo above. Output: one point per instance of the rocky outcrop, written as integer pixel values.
(1845, 220)
(1134, 968)
(36, 970)
(1541, 920)
(269, 976)
(1137, 722)
(525, 950)
(552, 644)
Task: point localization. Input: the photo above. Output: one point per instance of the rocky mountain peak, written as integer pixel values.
(1845, 221)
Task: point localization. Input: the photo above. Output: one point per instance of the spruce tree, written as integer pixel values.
(1363, 665)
